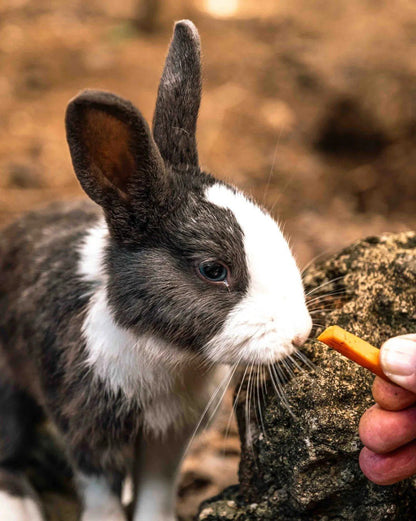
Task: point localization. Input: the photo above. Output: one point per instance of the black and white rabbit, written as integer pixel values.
(119, 319)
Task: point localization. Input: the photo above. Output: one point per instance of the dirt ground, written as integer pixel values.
(308, 106)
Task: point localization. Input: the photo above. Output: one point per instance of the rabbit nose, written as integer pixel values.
(300, 339)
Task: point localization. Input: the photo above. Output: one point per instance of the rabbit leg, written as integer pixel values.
(18, 413)
(156, 475)
(99, 500)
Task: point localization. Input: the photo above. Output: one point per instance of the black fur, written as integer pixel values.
(19, 414)
(15, 484)
(178, 99)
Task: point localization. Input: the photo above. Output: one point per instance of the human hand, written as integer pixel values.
(388, 428)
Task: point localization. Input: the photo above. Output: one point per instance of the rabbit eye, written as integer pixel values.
(213, 271)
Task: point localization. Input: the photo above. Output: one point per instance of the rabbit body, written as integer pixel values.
(100, 407)
(119, 320)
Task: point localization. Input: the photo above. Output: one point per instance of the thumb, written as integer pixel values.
(398, 361)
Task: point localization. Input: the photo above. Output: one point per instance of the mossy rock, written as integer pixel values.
(303, 465)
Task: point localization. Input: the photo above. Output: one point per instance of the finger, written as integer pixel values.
(386, 469)
(398, 361)
(384, 431)
(390, 396)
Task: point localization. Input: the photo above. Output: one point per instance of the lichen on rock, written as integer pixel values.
(302, 464)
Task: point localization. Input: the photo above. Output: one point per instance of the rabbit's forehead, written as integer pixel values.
(268, 257)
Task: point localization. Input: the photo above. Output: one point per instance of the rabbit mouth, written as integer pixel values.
(256, 344)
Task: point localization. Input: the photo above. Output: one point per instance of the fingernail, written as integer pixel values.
(398, 356)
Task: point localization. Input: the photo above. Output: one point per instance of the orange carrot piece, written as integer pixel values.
(353, 348)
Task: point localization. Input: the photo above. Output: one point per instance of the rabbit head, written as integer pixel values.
(186, 259)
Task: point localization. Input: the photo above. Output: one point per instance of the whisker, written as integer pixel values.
(303, 364)
(307, 361)
(224, 383)
(246, 410)
(320, 303)
(249, 405)
(276, 382)
(296, 364)
(223, 394)
(325, 296)
(271, 171)
(287, 368)
(278, 370)
(264, 387)
(326, 300)
(259, 402)
(250, 399)
(319, 310)
(315, 258)
(314, 324)
(234, 407)
(323, 285)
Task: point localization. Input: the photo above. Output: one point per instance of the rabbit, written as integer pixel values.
(121, 316)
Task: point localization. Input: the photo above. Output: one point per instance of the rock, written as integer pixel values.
(303, 465)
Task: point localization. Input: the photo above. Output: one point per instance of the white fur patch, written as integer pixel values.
(14, 508)
(99, 502)
(127, 492)
(273, 314)
(166, 381)
(92, 252)
(156, 500)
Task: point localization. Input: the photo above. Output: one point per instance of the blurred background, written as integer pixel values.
(308, 106)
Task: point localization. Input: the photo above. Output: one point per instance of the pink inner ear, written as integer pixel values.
(107, 140)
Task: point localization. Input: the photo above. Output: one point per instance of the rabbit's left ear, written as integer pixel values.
(179, 97)
(116, 159)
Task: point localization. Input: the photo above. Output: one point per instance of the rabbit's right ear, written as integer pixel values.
(115, 157)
